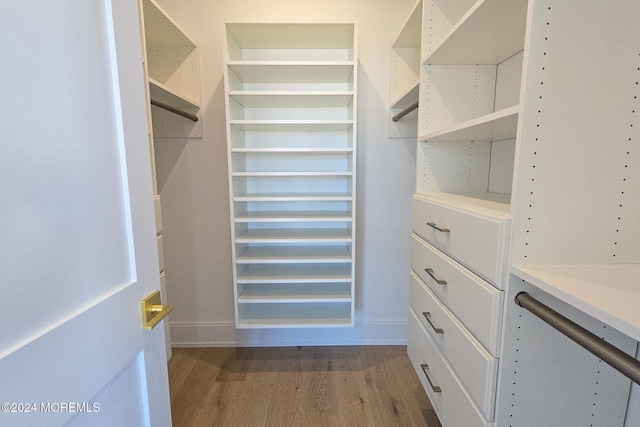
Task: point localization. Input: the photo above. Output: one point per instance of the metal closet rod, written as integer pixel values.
(406, 111)
(174, 110)
(608, 353)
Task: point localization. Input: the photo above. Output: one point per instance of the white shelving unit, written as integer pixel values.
(291, 132)
(527, 167)
(173, 73)
(405, 75)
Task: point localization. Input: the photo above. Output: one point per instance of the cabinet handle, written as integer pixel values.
(433, 225)
(435, 388)
(438, 281)
(427, 316)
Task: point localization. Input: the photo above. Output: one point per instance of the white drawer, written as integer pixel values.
(452, 404)
(476, 303)
(474, 365)
(160, 252)
(476, 239)
(158, 213)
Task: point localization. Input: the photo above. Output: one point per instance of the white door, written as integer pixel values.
(77, 232)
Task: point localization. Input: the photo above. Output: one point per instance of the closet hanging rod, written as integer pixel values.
(608, 353)
(406, 111)
(174, 110)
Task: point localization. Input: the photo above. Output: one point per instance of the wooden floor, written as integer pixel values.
(297, 386)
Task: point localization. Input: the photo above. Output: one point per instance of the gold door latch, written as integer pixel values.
(153, 311)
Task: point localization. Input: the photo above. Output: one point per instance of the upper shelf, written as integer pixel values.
(160, 29)
(608, 293)
(411, 31)
(281, 36)
(490, 32)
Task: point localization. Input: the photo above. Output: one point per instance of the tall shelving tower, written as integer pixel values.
(291, 134)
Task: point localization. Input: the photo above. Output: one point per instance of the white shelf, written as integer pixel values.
(295, 99)
(267, 174)
(265, 254)
(293, 125)
(165, 94)
(295, 216)
(609, 293)
(303, 315)
(490, 32)
(295, 235)
(496, 126)
(408, 97)
(293, 197)
(292, 71)
(295, 273)
(293, 150)
(295, 293)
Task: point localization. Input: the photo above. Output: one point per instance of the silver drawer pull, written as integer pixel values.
(427, 316)
(435, 388)
(433, 225)
(438, 281)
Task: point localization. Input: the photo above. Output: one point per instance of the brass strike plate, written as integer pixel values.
(153, 311)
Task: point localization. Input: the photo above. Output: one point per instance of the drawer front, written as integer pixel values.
(475, 303)
(160, 252)
(476, 240)
(158, 213)
(474, 365)
(452, 403)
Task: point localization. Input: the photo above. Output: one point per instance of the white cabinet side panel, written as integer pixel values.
(541, 368)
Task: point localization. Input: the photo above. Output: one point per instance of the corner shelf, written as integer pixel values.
(405, 74)
(173, 73)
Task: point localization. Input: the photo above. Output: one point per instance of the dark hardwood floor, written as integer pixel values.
(297, 386)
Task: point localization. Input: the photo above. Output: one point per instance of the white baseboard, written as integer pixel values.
(211, 334)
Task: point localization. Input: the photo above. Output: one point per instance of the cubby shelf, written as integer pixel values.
(295, 293)
(295, 315)
(295, 216)
(295, 99)
(295, 235)
(265, 254)
(293, 197)
(311, 150)
(292, 71)
(295, 273)
(293, 125)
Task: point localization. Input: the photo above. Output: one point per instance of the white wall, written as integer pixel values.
(192, 181)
